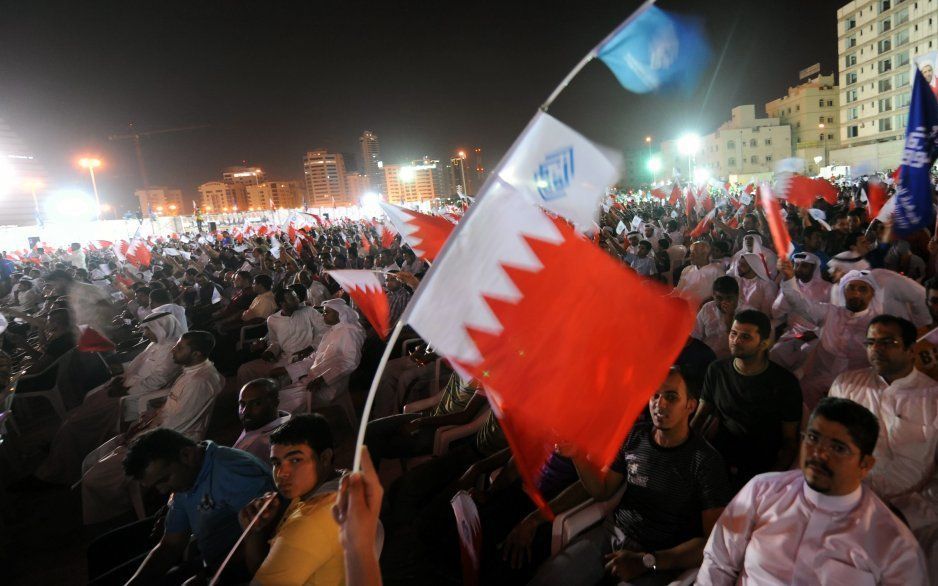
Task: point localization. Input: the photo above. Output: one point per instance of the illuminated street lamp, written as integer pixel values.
(654, 165)
(689, 145)
(647, 140)
(90, 164)
(462, 155)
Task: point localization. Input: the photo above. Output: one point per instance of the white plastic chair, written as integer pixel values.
(51, 395)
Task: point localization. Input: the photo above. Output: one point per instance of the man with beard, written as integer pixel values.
(819, 524)
(257, 409)
(843, 327)
(676, 488)
(750, 407)
(907, 403)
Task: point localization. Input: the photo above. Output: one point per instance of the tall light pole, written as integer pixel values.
(34, 185)
(688, 145)
(90, 164)
(654, 165)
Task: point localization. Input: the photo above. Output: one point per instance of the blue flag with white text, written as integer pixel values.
(654, 50)
(913, 194)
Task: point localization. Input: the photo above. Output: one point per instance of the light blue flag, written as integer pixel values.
(655, 50)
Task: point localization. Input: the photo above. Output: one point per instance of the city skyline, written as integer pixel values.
(426, 80)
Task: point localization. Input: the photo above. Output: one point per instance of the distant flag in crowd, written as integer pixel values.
(703, 226)
(675, 195)
(653, 50)
(777, 227)
(914, 189)
(550, 381)
(100, 244)
(366, 291)
(803, 191)
(558, 169)
(876, 197)
(424, 233)
(91, 340)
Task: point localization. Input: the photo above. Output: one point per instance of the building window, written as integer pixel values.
(768, 158)
(852, 131)
(851, 42)
(798, 108)
(885, 85)
(902, 37)
(731, 145)
(851, 77)
(820, 103)
(903, 100)
(732, 161)
(754, 159)
(830, 102)
(885, 104)
(820, 119)
(752, 142)
(901, 17)
(768, 142)
(850, 24)
(884, 45)
(885, 26)
(902, 59)
(885, 65)
(830, 137)
(884, 5)
(885, 124)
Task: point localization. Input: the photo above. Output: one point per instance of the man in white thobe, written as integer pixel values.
(902, 296)
(257, 409)
(696, 281)
(800, 334)
(906, 402)
(325, 374)
(756, 289)
(104, 488)
(715, 317)
(293, 333)
(843, 328)
(89, 424)
(818, 525)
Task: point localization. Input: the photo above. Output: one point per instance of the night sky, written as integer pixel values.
(274, 79)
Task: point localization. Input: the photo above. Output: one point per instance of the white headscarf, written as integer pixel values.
(817, 288)
(756, 263)
(847, 261)
(347, 315)
(876, 304)
(164, 326)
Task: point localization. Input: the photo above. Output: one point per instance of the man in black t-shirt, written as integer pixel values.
(676, 488)
(750, 407)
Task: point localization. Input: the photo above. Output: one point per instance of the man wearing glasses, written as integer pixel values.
(817, 525)
(906, 401)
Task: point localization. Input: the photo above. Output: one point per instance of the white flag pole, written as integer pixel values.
(392, 339)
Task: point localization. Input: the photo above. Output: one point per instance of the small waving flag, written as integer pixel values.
(425, 234)
(366, 291)
(91, 340)
(773, 215)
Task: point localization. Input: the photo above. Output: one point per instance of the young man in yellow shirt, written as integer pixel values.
(303, 547)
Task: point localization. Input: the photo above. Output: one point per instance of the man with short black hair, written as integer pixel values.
(209, 485)
(303, 548)
(161, 301)
(819, 524)
(257, 409)
(186, 409)
(750, 407)
(264, 304)
(641, 261)
(696, 280)
(906, 400)
(715, 316)
(676, 488)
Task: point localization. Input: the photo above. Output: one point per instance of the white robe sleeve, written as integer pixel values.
(156, 372)
(814, 311)
(725, 553)
(338, 356)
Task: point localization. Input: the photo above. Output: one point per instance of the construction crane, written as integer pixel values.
(136, 136)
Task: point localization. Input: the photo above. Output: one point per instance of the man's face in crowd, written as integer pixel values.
(330, 316)
(172, 476)
(749, 223)
(928, 72)
(671, 406)
(256, 407)
(726, 302)
(931, 300)
(290, 302)
(854, 223)
(386, 258)
(700, 253)
(392, 282)
(858, 295)
(745, 271)
(148, 333)
(643, 250)
(297, 468)
(241, 282)
(804, 271)
(831, 461)
(259, 289)
(745, 341)
(841, 225)
(812, 241)
(886, 351)
(633, 240)
(749, 243)
(183, 354)
(649, 231)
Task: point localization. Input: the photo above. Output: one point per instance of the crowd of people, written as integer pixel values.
(794, 439)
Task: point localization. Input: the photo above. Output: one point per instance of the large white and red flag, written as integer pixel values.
(558, 169)
(366, 291)
(424, 233)
(551, 358)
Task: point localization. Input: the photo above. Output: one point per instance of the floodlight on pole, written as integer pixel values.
(654, 165)
(90, 163)
(689, 145)
(34, 185)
